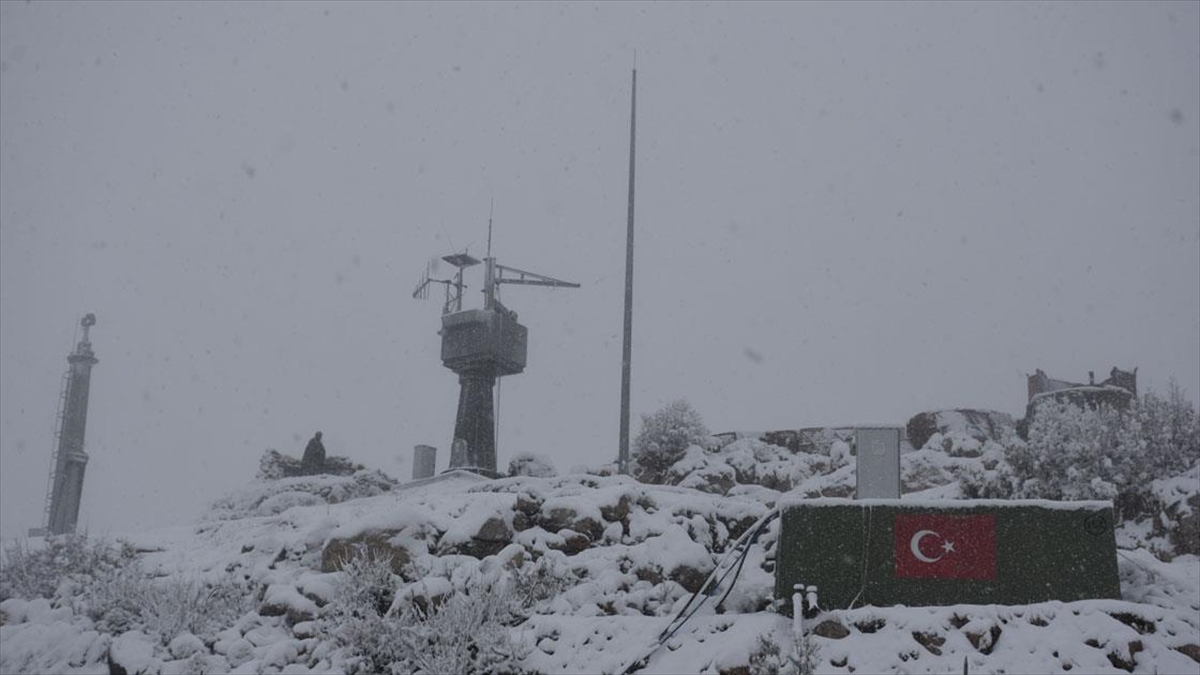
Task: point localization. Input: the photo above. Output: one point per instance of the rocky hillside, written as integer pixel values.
(592, 569)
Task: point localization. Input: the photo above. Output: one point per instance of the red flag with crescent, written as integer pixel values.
(945, 547)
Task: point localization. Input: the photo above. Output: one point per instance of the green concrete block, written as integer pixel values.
(886, 552)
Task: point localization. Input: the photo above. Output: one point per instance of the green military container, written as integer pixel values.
(884, 552)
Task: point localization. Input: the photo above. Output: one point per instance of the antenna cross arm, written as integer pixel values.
(530, 278)
(421, 294)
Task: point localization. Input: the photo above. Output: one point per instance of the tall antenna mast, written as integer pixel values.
(70, 461)
(623, 448)
(491, 212)
(488, 299)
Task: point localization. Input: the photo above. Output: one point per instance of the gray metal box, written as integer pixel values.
(424, 461)
(878, 469)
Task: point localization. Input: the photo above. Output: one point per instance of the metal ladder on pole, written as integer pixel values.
(59, 418)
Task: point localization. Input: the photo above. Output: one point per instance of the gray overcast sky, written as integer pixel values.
(846, 213)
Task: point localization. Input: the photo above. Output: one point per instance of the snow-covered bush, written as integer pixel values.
(114, 599)
(1170, 432)
(466, 631)
(179, 604)
(1074, 452)
(125, 598)
(358, 618)
(664, 439)
(274, 465)
(533, 584)
(29, 572)
(1083, 452)
(106, 583)
(530, 464)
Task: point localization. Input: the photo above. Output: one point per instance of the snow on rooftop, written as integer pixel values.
(927, 503)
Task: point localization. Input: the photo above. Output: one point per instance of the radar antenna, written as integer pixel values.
(454, 285)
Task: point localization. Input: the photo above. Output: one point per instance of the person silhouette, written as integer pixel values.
(313, 461)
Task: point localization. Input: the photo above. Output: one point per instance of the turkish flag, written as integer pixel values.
(932, 546)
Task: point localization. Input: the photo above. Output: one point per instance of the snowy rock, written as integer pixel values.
(12, 611)
(707, 474)
(239, 651)
(1191, 650)
(1186, 534)
(483, 527)
(528, 504)
(531, 464)
(651, 573)
(555, 519)
(283, 501)
(265, 635)
(510, 557)
(689, 577)
(573, 543)
(281, 653)
(52, 647)
(522, 521)
(1178, 511)
(284, 493)
(494, 529)
(493, 535)
(320, 588)
(616, 512)
(924, 469)
(226, 638)
(285, 600)
(832, 629)
(979, 425)
(197, 664)
(426, 594)
(186, 644)
(131, 653)
(39, 610)
(376, 545)
(576, 513)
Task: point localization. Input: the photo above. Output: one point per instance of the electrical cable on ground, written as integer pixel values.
(743, 543)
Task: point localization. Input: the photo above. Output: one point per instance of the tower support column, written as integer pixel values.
(475, 423)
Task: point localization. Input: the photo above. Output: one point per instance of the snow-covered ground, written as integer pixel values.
(627, 557)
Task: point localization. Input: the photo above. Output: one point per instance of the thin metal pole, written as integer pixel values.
(623, 452)
(489, 272)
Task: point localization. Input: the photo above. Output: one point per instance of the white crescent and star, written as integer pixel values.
(915, 545)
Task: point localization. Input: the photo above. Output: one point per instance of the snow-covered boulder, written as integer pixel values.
(132, 652)
(1177, 511)
(271, 497)
(960, 426)
(286, 600)
(531, 464)
(373, 545)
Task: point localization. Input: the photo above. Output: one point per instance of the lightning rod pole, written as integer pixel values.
(623, 451)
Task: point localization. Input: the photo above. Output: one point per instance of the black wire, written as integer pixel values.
(736, 569)
(746, 554)
(737, 565)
